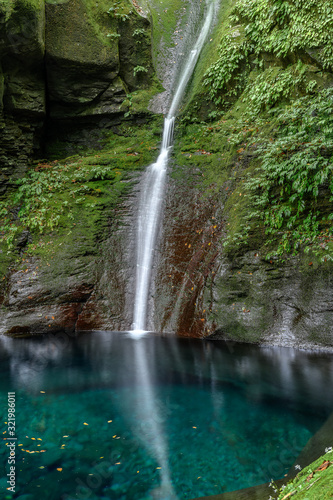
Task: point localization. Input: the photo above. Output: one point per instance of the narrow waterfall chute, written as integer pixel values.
(154, 182)
(150, 206)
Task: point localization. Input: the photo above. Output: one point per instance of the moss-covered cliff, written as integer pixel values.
(247, 245)
(256, 137)
(76, 79)
(246, 251)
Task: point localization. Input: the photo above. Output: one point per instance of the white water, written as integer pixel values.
(154, 435)
(148, 220)
(152, 194)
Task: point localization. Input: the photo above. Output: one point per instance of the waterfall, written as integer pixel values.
(154, 182)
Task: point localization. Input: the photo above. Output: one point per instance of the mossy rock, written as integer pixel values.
(80, 64)
(136, 68)
(22, 24)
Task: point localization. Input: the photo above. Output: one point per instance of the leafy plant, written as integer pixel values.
(117, 11)
(139, 34)
(232, 55)
(296, 166)
(261, 27)
(139, 69)
(274, 85)
(113, 36)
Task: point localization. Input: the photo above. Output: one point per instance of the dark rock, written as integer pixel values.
(23, 239)
(57, 64)
(80, 67)
(200, 291)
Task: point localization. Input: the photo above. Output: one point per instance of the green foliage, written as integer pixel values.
(283, 27)
(119, 11)
(113, 36)
(292, 190)
(277, 27)
(139, 69)
(232, 56)
(55, 195)
(276, 138)
(139, 34)
(273, 86)
(314, 482)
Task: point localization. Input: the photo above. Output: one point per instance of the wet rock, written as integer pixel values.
(57, 64)
(200, 291)
(80, 67)
(23, 239)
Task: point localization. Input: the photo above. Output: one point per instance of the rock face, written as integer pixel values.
(200, 291)
(66, 68)
(62, 62)
(84, 285)
(22, 87)
(289, 305)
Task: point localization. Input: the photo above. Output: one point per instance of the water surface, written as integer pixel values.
(107, 416)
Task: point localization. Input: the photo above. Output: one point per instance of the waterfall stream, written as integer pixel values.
(154, 183)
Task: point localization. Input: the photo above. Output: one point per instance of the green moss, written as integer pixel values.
(138, 101)
(7, 7)
(66, 204)
(165, 15)
(311, 483)
(78, 30)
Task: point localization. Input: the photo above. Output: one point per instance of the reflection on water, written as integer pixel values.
(149, 412)
(135, 419)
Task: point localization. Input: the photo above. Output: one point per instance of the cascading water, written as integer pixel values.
(148, 219)
(152, 193)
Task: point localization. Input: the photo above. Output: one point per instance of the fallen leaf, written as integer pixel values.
(323, 466)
